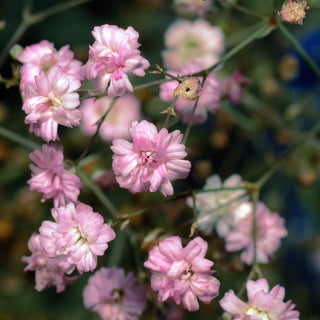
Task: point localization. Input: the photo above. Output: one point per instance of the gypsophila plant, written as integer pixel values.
(170, 158)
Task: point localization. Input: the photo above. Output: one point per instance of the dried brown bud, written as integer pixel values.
(170, 111)
(293, 11)
(189, 89)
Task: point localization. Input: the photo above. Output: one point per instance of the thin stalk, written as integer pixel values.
(299, 48)
(29, 19)
(58, 8)
(18, 139)
(255, 198)
(190, 122)
(99, 123)
(150, 84)
(87, 180)
(247, 11)
(236, 49)
(220, 189)
(228, 203)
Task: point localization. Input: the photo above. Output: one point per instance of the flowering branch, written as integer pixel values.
(29, 19)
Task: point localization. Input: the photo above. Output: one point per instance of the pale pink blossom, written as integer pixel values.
(112, 57)
(51, 102)
(182, 274)
(189, 7)
(213, 209)
(151, 161)
(50, 177)
(234, 85)
(262, 304)
(192, 41)
(114, 295)
(48, 272)
(118, 120)
(78, 236)
(209, 100)
(41, 57)
(269, 231)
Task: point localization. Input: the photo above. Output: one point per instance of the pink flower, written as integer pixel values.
(189, 7)
(151, 161)
(183, 274)
(51, 102)
(262, 304)
(115, 296)
(50, 177)
(209, 100)
(118, 120)
(208, 204)
(188, 41)
(78, 236)
(112, 57)
(234, 85)
(270, 230)
(47, 271)
(42, 57)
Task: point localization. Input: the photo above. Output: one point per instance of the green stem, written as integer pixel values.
(254, 36)
(220, 189)
(150, 84)
(14, 39)
(299, 48)
(18, 139)
(228, 203)
(247, 11)
(87, 180)
(99, 123)
(30, 19)
(58, 8)
(255, 198)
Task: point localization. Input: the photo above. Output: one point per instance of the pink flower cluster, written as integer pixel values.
(49, 81)
(151, 161)
(116, 124)
(114, 295)
(76, 238)
(209, 100)
(262, 304)
(112, 57)
(269, 231)
(182, 274)
(50, 177)
(48, 272)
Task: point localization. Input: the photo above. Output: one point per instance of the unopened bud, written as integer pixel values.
(189, 89)
(169, 111)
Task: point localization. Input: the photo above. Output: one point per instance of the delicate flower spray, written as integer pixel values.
(67, 247)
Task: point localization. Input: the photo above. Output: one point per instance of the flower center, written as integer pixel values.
(191, 44)
(148, 157)
(253, 310)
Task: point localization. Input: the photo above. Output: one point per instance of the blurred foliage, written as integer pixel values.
(246, 139)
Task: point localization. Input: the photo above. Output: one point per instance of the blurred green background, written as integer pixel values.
(280, 104)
